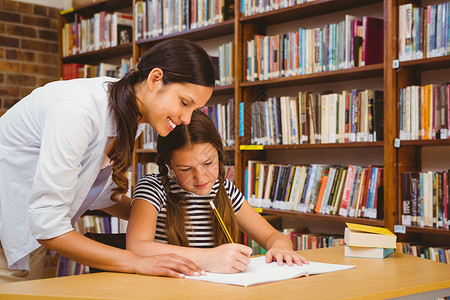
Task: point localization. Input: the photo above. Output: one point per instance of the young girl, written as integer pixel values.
(171, 213)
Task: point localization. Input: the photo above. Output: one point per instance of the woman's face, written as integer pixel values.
(166, 106)
(196, 167)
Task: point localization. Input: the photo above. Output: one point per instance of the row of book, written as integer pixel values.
(439, 254)
(103, 30)
(425, 199)
(89, 223)
(300, 241)
(157, 17)
(77, 70)
(423, 31)
(352, 191)
(424, 112)
(350, 116)
(352, 42)
(100, 224)
(222, 115)
(226, 64)
(252, 7)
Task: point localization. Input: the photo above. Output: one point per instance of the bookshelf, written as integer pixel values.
(88, 37)
(416, 154)
(248, 91)
(379, 76)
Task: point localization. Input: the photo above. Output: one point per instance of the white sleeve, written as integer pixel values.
(66, 133)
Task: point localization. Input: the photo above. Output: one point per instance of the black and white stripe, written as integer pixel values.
(198, 227)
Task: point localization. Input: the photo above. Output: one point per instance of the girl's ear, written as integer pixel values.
(154, 79)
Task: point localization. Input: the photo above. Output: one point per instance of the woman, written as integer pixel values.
(65, 149)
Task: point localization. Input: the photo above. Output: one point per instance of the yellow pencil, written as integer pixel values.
(221, 222)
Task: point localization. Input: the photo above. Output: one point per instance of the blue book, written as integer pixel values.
(241, 118)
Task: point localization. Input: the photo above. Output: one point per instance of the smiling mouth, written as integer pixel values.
(171, 123)
(201, 186)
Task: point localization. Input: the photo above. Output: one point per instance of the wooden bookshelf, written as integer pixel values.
(407, 157)
(279, 212)
(97, 56)
(305, 10)
(202, 33)
(369, 71)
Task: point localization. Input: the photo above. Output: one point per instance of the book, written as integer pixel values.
(367, 252)
(369, 236)
(372, 41)
(258, 272)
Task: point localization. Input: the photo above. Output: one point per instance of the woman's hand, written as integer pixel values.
(281, 256)
(227, 258)
(170, 265)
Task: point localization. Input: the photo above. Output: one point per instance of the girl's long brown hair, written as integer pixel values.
(182, 61)
(200, 130)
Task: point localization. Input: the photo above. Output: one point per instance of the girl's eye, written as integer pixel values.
(183, 103)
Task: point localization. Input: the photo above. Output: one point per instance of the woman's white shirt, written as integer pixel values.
(52, 146)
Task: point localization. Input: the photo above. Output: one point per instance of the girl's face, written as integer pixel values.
(166, 106)
(196, 167)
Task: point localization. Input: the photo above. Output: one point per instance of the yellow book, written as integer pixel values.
(369, 236)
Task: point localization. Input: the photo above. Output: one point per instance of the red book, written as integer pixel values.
(348, 188)
(372, 42)
(323, 184)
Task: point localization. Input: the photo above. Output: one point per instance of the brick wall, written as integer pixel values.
(28, 49)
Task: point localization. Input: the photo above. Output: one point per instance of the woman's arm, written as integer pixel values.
(88, 252)
(228, 258)
(279, 246)
(121, 209)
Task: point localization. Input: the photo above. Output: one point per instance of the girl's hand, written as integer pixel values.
(227, 258)
(281, 256)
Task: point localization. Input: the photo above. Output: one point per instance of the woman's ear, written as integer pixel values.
(155, 79)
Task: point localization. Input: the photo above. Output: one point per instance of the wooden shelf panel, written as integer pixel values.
(428, 230)
(197, 34)
(223, 90)
(373, 222)
(426, 64)
(316, 146)
(375, 70)
(419, 143)
(306, 10)
(94, 57)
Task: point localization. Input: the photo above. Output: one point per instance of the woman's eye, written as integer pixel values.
(208, 163)
(184, 170)
(183, 103)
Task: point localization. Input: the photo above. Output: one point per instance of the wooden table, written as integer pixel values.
(395, 276)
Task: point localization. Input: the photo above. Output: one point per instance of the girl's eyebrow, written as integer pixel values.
(187, 166)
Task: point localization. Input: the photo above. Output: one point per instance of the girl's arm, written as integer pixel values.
(228, 258)
(279, 246)
(88, 252)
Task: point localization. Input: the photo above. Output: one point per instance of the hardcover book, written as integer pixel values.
(369, 236)
(367, 252)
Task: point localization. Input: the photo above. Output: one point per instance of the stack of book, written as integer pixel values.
(368, 241)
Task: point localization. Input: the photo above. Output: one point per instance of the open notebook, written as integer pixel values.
(258, 271)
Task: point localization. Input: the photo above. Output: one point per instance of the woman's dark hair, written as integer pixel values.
(181, 61)
(200, 130)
